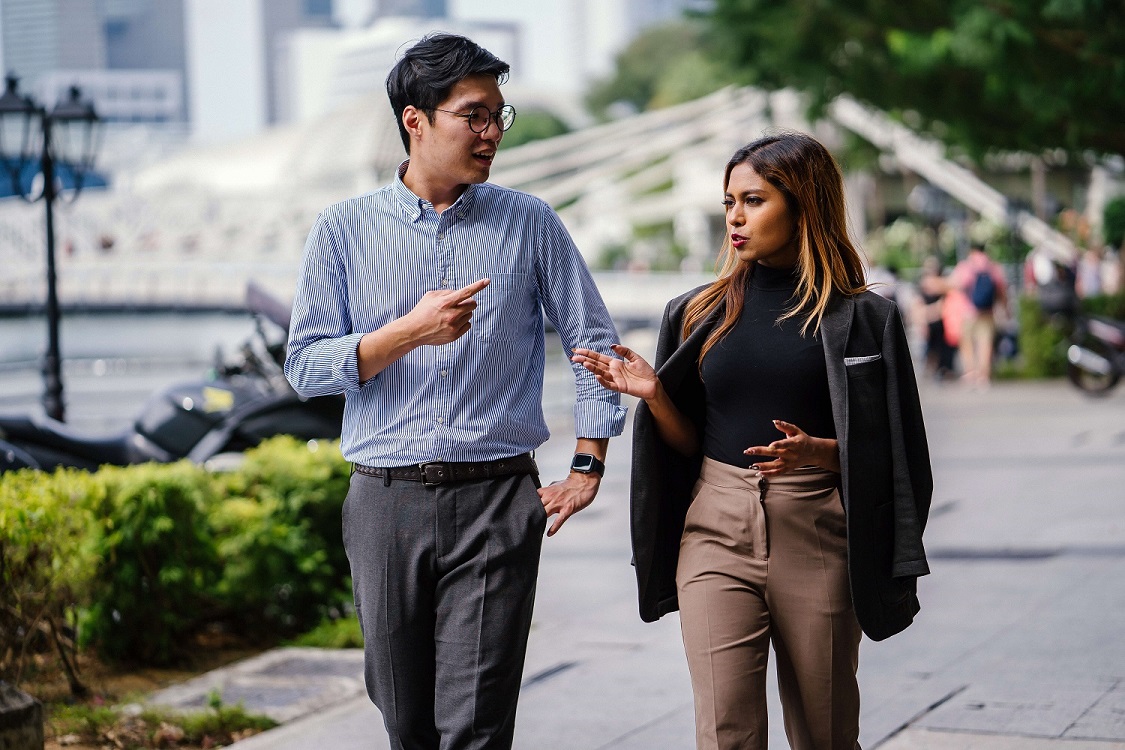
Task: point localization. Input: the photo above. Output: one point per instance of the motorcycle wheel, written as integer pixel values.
(1090, 381)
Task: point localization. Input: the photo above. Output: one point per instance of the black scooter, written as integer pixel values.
(1095, 354)
(1095, 358)
(242, 404)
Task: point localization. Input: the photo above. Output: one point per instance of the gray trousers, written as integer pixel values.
(444, 584)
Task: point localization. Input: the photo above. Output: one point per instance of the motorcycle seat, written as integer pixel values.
(60, 438)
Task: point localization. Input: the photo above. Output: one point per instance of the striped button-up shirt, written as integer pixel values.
(369, 260)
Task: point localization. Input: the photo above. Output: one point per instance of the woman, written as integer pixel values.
(781, 477)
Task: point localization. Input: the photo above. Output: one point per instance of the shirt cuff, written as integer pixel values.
(598, 419)
(345, 361)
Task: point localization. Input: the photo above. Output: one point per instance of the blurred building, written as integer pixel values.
(127, 55)
(229, 68)
(320, 71)
(39, 36)
(235, 51)
(414, 8)
(555, 47)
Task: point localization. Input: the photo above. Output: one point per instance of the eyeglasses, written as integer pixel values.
(479, 117)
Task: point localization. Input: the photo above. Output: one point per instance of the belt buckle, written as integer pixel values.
(440, 470)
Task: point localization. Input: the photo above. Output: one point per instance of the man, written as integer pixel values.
(422, 303)
(981, 281)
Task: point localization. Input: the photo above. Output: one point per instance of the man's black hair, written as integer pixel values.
(431, 68)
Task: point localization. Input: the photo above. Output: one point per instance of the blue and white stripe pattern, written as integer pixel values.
(368, 261)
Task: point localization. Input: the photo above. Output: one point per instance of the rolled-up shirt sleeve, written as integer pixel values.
(321, 354)
(574, 306)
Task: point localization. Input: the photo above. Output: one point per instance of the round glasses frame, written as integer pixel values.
(479, 117)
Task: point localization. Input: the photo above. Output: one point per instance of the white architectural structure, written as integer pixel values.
(195, 228)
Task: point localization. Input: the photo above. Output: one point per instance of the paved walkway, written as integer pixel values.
(1019, 643)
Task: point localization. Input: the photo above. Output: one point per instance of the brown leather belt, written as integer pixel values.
(440, 472)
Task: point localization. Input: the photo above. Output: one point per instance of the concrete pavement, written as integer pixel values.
(1019, 643)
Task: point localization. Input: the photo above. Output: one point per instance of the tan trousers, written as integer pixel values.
(765, 561)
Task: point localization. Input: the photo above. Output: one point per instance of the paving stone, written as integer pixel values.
(284, 684)
(923, 739)
(1105, 720)
(1035, 708)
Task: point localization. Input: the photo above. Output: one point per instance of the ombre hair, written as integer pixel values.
(828, 263)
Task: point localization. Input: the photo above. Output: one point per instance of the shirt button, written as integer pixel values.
(445, 282)
(441, 420)
(443, 373)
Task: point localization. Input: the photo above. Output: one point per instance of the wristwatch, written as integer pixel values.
(585, 463)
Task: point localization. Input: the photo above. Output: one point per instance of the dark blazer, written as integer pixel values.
(885, 478)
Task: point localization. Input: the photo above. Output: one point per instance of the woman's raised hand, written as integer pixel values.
(630, 375)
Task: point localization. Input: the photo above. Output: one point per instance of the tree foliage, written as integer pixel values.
(664, 65)
(1024, 75)
(533, 125)
(1113, 224)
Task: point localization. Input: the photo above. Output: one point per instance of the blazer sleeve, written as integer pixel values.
(910, 455)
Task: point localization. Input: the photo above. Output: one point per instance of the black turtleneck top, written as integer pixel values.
(761, 371)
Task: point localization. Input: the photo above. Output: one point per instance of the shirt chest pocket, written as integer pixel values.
(506, 308)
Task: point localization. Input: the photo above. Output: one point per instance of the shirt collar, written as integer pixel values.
(415, 207)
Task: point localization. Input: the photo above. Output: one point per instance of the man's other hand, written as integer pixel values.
(564, 499)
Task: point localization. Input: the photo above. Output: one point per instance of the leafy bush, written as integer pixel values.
(1113, 218)
(46, 567)
(280, 537)
(343, 632)
(156, 561)
(1042, 342)
(135, 560)
(1108, 305)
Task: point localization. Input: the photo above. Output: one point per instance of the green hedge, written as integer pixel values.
(1042, 342)
(134, 561)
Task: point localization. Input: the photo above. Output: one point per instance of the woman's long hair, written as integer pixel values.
(809, 178)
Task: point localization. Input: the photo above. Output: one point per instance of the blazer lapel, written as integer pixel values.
(834, 330)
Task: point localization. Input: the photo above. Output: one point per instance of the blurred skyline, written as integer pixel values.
(218, 70)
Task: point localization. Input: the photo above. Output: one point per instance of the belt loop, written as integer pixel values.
(386, 477)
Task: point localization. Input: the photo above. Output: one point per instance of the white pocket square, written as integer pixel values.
(849, 361)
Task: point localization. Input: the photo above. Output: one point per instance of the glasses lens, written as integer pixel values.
(478, 119)
(507, 116)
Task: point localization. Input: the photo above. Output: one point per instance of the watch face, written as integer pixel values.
(582, 462)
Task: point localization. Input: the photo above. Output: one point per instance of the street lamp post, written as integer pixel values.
(66, 135)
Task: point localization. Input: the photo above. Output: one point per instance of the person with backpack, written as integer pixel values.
(981, 280)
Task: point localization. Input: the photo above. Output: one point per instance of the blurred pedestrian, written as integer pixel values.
(423, 303)
(981, 281)
(785, 395)
(1088, 273)
(932, 288)
(1112, 271)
